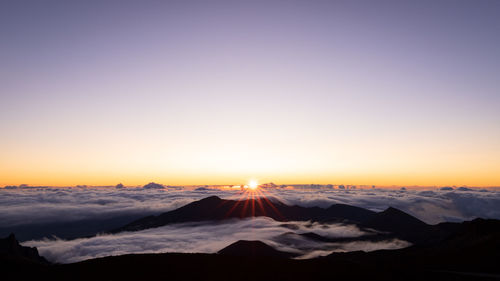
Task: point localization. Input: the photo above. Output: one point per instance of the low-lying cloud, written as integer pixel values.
(210, 237)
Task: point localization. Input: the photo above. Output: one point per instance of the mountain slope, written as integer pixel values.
(10, 249)
(244, 248)
(399, 223)
(391, 223)
(213, 209)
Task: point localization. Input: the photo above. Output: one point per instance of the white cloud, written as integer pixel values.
(43, 205)
(48, 205)
(208, 237)
(431, 206)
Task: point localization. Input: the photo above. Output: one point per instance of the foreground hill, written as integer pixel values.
(471, 252)
(243, 248)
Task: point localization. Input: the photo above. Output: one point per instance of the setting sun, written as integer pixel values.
(253, 184)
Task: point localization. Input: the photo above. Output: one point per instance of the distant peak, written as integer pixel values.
(393, 210)
(399, 215)
(12, 239)
(253, 248)
(211, 198)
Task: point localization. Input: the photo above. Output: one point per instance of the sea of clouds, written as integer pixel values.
(21, 207)
(210, 237)
(42, 205)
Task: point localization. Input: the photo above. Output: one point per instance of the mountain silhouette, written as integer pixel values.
(214, 209)
(12, 250)
(244, 248)
(393, 222)
(478, 235)
(401, 224)
(468, 247)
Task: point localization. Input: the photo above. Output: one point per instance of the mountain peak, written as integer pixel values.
(10, 248)
(253, 248)
(211, 198)
(396, 215)
(394, 210)
(398, 222)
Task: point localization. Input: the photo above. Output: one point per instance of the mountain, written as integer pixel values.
(477, 237)
(399, 223)
(391, 223)
(391, 218)
(244, 248)
(471, 248)
(10, 249)
(215, 209)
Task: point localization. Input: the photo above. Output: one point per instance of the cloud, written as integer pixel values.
(25, 206)
(431, 206)
(208, 238)
(48, 205)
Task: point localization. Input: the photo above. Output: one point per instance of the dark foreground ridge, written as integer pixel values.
(471, 252)
(244, 248)
(10, 249)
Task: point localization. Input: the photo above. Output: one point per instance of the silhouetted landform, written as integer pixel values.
(254, 249)
(391, 223)
(11, 249)
(471, 252)
(214, 209)
(403, 225)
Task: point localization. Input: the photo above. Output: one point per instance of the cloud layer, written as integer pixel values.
(431, 206)
(46, 206)
(209, 238)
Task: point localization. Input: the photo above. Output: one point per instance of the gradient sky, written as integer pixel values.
(219, 92)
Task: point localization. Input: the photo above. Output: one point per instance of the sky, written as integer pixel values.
(220, 92)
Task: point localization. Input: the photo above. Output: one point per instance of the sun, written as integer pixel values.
(253, 184)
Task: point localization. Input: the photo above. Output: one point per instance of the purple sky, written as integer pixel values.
(362, 92)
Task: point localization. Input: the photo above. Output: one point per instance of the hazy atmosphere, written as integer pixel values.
(219, 92)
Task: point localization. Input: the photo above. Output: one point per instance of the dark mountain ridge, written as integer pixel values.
(215, 209)
(11, 249)
(244, 248)
(390, 223)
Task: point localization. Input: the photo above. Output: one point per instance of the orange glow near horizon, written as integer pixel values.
(199, 164)
(396, 179)
(136, 95)
(139, 161)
